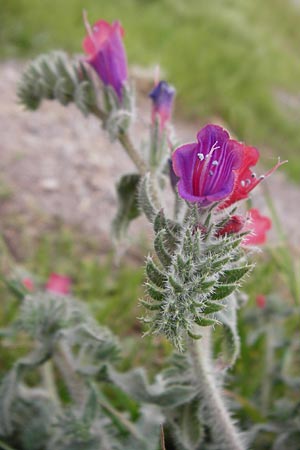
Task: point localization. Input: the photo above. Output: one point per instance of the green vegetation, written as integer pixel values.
(237, 60)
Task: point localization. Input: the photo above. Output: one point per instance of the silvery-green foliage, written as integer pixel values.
(52, 76)
(128, 209)
(194, 271)
(63, 333)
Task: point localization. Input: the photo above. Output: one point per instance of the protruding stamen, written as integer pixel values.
(215, 163)
(253, 175)
(262, 177)
(211, 173)
(200, 156)
(243, 183)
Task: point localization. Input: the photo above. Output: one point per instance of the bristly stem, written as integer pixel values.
(132, 153)
(215, 414)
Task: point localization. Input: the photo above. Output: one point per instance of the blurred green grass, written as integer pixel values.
(236, 59)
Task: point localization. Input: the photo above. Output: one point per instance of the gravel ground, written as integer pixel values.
(57, 164)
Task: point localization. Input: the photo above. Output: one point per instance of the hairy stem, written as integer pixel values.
(132, 152)
(126, 142)
(215, 414)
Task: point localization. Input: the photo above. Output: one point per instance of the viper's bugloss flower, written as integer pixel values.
(58, 284)
(162, 96)
(247, 180)
(207, 168)
(106, 51)
(257, 225)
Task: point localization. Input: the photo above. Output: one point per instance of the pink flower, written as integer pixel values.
(58, 284)
(261, 301)
(257, 225)
(106, 52)
(28, 284)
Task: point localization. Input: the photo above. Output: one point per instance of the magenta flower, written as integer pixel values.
(106, 52)
(58, 284)
(162, 97)
(207, 168)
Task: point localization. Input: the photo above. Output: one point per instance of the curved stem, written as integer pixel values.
(224, 433)
(132, 153)
(126, 142)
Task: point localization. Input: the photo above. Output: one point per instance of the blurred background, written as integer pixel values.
(238, 60)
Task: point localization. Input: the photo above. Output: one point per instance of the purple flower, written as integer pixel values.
(107, 54)
(207, 168)
(58, 284)
(162, 97)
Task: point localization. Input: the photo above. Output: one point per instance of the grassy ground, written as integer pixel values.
(235, 59)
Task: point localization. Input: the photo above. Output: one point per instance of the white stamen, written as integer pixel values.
(213, 148)
(248, 182)
(261, 177)
(211, 173)
(200, 156)
(243, 183)
(253, 175)
(215, 163)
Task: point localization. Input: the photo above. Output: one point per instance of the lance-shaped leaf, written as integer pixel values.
(231, 339)
(128, 209)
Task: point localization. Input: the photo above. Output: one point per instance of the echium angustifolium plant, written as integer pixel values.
(201, 248)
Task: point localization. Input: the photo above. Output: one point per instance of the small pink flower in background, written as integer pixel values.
(58, 284)
(162, 96)
(106, 52)
(261, 301)
(257, 225)
(28, 284)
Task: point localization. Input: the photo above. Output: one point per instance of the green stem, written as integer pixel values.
(224, 434)
(126, 142)
(132, 152)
